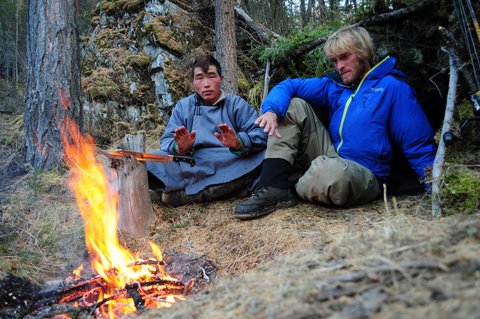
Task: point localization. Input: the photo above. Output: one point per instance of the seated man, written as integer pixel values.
(219, 131)
(372, 110)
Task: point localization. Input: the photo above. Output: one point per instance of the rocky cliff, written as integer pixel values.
(135, 64)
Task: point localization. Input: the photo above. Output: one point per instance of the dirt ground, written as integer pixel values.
(389, 259)
(311, 261)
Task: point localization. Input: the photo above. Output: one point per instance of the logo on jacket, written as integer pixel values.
(377, 89)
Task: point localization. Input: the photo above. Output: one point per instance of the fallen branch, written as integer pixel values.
(265, 34)
(440, 156)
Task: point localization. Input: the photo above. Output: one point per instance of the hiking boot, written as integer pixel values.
(264, 201)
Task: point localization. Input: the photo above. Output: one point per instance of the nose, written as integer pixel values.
(206, 82)
(339, 65)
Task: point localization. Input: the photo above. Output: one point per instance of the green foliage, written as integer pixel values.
(288, 44)
(461, 190)
(255, 95)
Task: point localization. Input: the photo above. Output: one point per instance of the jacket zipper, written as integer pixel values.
(349, 101)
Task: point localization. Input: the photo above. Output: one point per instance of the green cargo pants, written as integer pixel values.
(325, 177)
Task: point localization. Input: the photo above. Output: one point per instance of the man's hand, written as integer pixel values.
(184, 139)
(227, 136)
(269, 123)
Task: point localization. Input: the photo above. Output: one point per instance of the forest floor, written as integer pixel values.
(389, 259)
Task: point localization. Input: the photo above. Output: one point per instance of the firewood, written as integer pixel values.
(129, 178)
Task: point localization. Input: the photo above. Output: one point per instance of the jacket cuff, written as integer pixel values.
(245, 144)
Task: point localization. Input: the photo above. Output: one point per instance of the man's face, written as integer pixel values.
(208, 85)
(350, 66)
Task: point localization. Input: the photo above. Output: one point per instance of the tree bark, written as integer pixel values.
(225, 42)
(53, 79)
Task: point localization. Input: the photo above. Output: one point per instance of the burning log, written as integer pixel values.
(94, 296)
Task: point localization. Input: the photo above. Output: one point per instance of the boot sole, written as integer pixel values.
(268, 210)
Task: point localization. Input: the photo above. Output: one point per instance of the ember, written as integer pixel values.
(124, 283)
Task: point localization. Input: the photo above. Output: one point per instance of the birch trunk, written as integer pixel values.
(440, 156)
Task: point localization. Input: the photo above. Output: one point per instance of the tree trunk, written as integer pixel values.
(225, 42)
(53, 79)
(303, 13)
(18, 3)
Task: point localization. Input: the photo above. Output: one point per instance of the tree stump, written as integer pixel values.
(129, 178)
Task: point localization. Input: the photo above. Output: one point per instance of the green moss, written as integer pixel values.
(160, 33)
(243, 84)
(461, 190)
(139, 60)
(113, 7)
(101, 88)
(255, 95)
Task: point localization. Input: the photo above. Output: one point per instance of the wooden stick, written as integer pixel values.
(440, 156)
(266, 82)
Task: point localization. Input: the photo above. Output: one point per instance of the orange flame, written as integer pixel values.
(97, 203)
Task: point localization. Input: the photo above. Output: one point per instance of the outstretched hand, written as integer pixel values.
(269, 123)
(227, 136)
(184, 139)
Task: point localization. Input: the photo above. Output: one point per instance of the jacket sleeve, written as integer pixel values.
(250, 134)
(177, 119)
(411, 130)
(314, 91)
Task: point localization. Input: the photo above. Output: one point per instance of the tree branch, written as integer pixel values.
(440, 156)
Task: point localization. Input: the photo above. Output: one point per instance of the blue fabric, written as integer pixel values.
(383, 112)
(215, 163)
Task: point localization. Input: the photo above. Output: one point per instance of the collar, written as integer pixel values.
(218, 102)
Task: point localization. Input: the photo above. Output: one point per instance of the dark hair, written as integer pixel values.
(204, 61)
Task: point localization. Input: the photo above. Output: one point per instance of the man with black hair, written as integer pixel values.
(218, 129)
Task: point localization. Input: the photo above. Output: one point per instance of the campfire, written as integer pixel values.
(123, 283)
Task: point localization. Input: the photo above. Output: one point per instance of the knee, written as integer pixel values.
(296, 105)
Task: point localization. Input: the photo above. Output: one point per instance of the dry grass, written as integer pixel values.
(309, 261)
(313, 262)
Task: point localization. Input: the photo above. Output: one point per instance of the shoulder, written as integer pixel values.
(235, 101)
(186, 102)
(191, 99)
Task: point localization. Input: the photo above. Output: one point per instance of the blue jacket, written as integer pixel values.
(368, 120)
(215, 163)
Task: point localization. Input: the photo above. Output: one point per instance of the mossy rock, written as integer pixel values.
(133, 6)
(101, 87)
(113, 7)
(178, 77)
(159, 33)
(140, 61)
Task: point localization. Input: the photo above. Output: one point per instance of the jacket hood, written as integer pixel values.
(385, 67)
